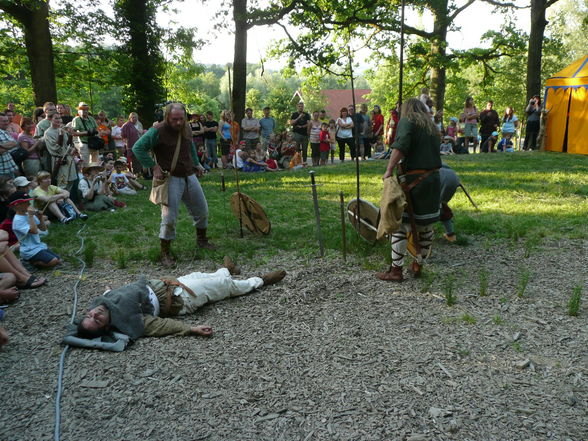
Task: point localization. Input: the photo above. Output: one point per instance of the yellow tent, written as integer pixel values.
(566, 96)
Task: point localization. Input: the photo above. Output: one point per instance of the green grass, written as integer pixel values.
(521, 197)
(449, 290)
(484, 282)
(524, 278)
(469, 319)
(574, 301)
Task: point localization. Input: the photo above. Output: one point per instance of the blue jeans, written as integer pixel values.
(211, 150)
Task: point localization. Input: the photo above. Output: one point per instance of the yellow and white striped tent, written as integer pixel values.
(566, 96)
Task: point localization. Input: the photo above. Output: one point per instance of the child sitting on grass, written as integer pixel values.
(446, 147)
(119, 180)
(28, 229)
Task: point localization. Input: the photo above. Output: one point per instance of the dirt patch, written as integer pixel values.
(330, 353)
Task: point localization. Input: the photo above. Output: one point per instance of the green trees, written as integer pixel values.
(32, 18)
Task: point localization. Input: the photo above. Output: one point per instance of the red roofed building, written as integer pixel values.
(338, 98)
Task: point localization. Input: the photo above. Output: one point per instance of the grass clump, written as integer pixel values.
(427, 278)
(484, 282)
(574, 301)
(497, 320)
(523, 282)
(448, 290)
(89, 252)
(469, 319)
(121, 259)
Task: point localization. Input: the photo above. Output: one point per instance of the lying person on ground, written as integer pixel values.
(142, 308)
(55, 199)
(28, 227)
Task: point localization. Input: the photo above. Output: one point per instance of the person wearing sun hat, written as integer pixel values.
(83, 126)
(21, 183)
(28, 227)
(94, 188)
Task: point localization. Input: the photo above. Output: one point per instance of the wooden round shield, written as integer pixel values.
(411, 248)
(369, 218)
(252, 214)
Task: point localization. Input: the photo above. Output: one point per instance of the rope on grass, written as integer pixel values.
(57, 433)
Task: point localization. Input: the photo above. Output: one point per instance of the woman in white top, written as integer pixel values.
(314, 131)
(344, 134)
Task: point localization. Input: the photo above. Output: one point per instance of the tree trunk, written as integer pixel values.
(538, 24)
(145, 57)
(35, 25)
(240, 59)
(438, 55)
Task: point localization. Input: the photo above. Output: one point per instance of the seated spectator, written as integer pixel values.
(255, 161)
(3, 337)
(505, 145)
(32, 164)
(133, 182)
(239, 159)
(94, 188)
(203, 156)
(6, 189)
(120, 181)
(55, 199)
(446, 147)
(28, 228)
(287, 150)
(22, 184)
(489, 144)
(296, 162)
(14, 277)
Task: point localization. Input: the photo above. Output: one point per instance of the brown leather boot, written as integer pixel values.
(415, 269)
(202, 240)
(394, 274)
(273, 277)
(230, 265)
(166, 257)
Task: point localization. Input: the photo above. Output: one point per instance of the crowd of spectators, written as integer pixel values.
(485, 131)
(55, 167)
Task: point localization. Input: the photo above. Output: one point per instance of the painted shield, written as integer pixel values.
(369, 218)
(252, 214)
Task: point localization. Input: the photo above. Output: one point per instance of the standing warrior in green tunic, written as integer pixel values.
(416, 153)
(163, 140)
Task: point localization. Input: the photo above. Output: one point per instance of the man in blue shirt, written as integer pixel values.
(268, 125)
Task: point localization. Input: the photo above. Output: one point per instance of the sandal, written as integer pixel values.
(33, 283)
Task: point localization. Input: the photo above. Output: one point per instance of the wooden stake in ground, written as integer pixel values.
(240, 201)
(356, 140)
(317, 213)
(343, 232)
